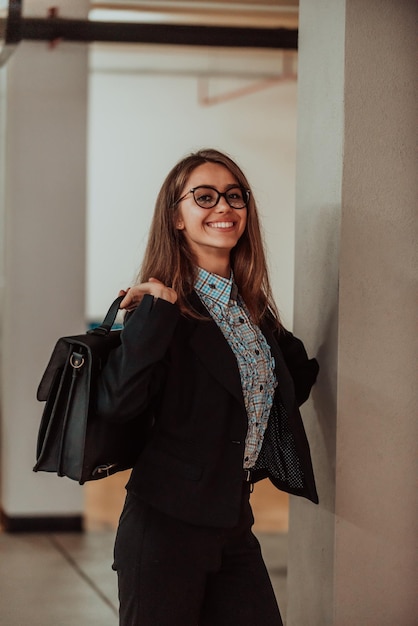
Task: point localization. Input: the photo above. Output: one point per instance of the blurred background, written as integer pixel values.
(317, 102)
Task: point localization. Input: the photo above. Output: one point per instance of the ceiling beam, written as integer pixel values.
(53, 29)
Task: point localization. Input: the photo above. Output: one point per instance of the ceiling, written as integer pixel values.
(264, 13)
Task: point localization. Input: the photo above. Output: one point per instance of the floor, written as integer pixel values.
(66, 579)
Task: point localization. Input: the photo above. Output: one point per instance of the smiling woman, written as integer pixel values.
(201, 355)
(181, 225)
(213, 232)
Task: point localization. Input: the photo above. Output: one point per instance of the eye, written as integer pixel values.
(235, 194)
(205, 196)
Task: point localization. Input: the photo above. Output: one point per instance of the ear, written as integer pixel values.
(180, 224)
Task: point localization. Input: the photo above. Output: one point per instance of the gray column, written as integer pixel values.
(352, 558)
(43, 245)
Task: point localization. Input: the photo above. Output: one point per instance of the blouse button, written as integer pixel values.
(257, 352)
(241, 320)
(261, 387)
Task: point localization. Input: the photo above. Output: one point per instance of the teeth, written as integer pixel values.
(221, 224)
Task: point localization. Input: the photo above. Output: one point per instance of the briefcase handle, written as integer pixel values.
(106, 326)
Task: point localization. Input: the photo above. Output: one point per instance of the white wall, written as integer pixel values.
(144, 115)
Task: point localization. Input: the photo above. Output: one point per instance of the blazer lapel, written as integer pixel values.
(209, 343)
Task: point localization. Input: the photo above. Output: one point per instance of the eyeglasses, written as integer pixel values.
(207, 197)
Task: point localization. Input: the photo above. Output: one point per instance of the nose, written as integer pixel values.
(222, 205)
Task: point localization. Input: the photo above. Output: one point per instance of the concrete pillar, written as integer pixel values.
(43, 247)
(353, 558)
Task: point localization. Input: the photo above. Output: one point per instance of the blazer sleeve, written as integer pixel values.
(134, 371)
(303, 370)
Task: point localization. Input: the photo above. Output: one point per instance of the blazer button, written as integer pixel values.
(235, 441)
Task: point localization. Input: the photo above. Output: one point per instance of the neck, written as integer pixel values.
(223, 270)
(216, 264)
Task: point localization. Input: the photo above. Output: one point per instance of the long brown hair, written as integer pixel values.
(169, 258)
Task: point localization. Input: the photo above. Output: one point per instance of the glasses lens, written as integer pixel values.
(236, 197)
(205, 197)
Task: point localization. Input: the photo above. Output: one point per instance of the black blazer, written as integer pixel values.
(180, 374)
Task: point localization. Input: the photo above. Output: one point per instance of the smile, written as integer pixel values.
(220, 224)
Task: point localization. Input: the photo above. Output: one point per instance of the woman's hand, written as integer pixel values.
(154, 287)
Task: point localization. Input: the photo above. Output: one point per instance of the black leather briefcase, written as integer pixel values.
(72, 440)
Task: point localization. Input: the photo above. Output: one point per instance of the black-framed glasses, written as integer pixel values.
(207, 197)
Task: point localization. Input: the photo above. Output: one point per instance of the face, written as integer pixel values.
(211, 233)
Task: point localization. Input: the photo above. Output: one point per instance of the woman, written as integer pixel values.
(205, 361)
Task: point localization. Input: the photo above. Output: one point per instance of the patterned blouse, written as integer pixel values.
(255, 362)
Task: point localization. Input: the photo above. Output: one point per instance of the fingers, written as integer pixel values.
(162, 291)
(154, 287)
(127, 305)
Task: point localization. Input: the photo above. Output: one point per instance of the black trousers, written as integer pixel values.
(171, 573)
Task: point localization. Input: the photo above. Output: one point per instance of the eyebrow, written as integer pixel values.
(230, 186)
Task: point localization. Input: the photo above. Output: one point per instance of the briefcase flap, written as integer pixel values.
(95, 346)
